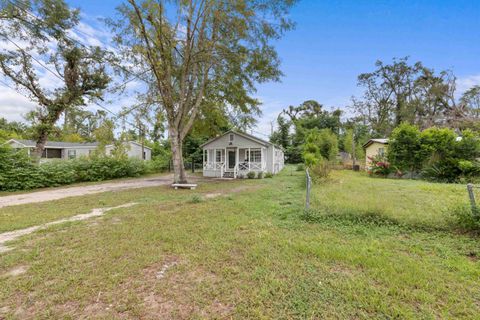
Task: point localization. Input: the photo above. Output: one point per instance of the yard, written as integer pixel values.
(372, 248)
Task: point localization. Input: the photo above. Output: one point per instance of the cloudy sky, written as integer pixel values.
(333, 42)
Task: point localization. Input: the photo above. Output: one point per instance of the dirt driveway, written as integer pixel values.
(60, 193)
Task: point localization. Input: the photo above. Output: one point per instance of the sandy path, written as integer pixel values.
(55, 194)
(12, 235)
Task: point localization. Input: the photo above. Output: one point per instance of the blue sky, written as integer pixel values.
(336, 40)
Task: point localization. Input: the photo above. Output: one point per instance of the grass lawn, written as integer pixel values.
(371, 248)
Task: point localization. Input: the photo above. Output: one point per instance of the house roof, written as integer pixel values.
(133, 142)
(371, 141)
(54, 144)
(245, 135)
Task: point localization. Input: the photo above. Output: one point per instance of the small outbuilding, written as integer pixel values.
(373, 148)
(234, 154)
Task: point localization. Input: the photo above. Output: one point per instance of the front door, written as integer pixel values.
(231, 159)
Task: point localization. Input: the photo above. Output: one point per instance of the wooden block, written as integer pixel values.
(190, 186)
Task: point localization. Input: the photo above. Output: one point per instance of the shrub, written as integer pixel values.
(251, 175)
(465, 218)
(18, 172)
(300, 167)
(320, 144)
(268, 175)
(379, 166)
(260, 175)
(320, 171)
(404, 148)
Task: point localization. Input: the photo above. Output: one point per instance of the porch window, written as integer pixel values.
(255, 156)
(218, 156)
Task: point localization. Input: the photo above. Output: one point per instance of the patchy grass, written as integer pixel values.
(372, 248)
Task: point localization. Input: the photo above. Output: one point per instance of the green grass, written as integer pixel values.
(373, 248)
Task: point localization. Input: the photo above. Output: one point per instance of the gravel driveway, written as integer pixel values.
(60, 193)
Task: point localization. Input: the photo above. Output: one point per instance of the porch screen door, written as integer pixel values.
(231, 159)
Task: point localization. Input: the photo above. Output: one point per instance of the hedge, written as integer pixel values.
(18, 172)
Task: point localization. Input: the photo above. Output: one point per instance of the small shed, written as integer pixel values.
(373, 148)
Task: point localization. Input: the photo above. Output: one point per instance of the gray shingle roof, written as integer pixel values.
(58, 144)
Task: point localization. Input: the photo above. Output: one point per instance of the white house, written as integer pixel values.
(134, 150)
(234, 154)
(72, 150)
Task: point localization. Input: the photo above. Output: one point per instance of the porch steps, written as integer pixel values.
(228, 175)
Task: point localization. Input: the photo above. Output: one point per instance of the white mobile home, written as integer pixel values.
(56, 149)
(234, 154)
(72, 150)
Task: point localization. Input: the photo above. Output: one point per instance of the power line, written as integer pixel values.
(56, 75)
(22, 7)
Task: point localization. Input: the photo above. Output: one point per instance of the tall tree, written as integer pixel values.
(202, 53)
(401, 92)
(42, 28)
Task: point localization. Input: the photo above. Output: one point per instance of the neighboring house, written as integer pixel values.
(373, 148)
(234, 154)
(134, 150)
(72, 150)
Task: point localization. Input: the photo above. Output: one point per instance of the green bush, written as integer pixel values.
(300, 167)
(465, 218)
(404, 148)
(320, 171)
(251, 175)
(269, 175)
(260, 175)
(18, 172)
(438, 154)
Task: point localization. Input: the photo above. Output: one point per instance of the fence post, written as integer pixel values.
(471, 195)
(307, 200)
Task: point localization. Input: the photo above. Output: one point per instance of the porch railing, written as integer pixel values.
(257, 166)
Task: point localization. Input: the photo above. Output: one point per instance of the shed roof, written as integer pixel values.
(371, 141)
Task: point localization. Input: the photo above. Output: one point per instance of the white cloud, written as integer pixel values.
(465, 83)
(13, 106)
(270, 111)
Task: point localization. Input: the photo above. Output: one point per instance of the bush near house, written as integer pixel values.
(438, 154)
(380, 167)
(18, 172)
(319, 152)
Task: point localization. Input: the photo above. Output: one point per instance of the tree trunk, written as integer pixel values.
(40, 146)
(179, 175)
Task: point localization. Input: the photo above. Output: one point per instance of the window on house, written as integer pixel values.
(72, 154)
(144, 155)
(231, 137)
(218, 156)
(52, 153)
(255, 156)
(381, 152)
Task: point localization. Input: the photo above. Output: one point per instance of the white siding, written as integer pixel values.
(238, 141)
(134, 150)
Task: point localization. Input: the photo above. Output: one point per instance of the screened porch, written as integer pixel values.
(234, 161)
